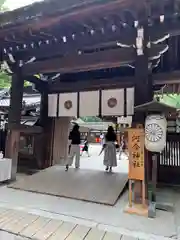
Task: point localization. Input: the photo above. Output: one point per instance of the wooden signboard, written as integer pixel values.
(136, 153)
(136, 169)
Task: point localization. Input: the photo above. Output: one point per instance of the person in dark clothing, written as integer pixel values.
(74, 150)
(110, 135)
(85, 148)
(3, 134)
(110, 159)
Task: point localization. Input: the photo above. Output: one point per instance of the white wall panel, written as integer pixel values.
(113, 102)
(67, 104)
(89, 103)
(52, 105)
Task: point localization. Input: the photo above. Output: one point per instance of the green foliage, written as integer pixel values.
(5, 80)
(2, 8)
(2, 2)
(171, 100)
(26, 83)
(91, 119)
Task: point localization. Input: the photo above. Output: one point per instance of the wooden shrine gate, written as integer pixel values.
(169, 161)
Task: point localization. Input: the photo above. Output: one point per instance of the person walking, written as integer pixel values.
(74, 149)
(110, 159)
(102, 139)
(86, 148)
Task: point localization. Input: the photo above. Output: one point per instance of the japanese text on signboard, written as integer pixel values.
(136, 153)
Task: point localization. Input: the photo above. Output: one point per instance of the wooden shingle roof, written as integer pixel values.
(49, 9)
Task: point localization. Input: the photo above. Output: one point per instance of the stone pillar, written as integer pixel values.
(60, 146)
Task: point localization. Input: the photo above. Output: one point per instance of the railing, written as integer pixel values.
(169, 161)
(171, 154)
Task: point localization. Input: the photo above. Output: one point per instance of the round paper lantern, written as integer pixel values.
(155, 133)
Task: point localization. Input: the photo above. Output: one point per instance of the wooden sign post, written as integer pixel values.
(136, 169)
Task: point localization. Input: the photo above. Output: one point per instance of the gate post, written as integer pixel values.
(143, 80)
(14, 120)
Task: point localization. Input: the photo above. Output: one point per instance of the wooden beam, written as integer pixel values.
(79, 63)
(30, 129)
(87, 62)
(86, 12)
(76, 13)
(168, 77)
(91, 84)
(40, 85)
(80, 43)
(168, 27)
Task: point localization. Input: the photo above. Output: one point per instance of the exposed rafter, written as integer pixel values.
(87, 62)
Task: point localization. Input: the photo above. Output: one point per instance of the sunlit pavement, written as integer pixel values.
(95, 162)
(106, 218)
(9, 236)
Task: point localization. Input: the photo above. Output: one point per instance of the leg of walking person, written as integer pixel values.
(88, 153)
(70, 157)
(81, 153)
(77, 153)
(113, 158)
(106, 157)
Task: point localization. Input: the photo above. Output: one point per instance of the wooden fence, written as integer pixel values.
(169, 161)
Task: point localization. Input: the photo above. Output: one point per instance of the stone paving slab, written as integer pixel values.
(36, 226)
(128, 238)
(9, 236)
(22, 224)
(95, 233)
(48, 230)
(112, 236)
(63, 232)
(31, 226)
(79, 232)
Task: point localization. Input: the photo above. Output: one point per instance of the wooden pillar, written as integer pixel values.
(14, 119)
(60, 146)
(143, 76)
(143, 94)
(44, 108)
(172, 54)
(46, 123)
(154, 175)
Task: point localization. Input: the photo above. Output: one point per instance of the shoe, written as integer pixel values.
(107, 168)
(110, 169)
(67, 167)
(77, 167)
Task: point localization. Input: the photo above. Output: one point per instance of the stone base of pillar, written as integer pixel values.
(60, 143)
(137, 192)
